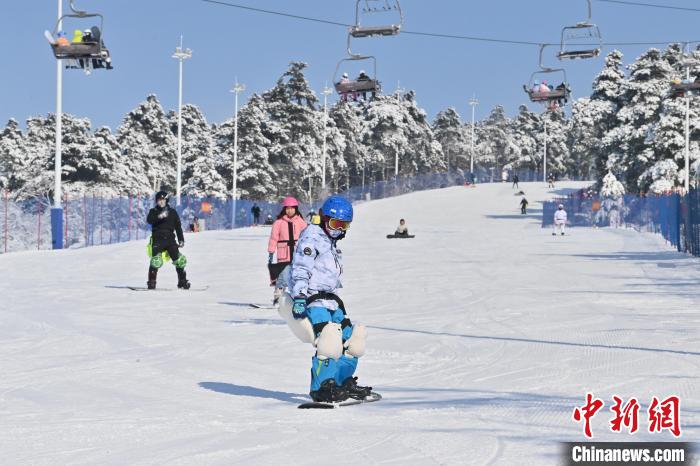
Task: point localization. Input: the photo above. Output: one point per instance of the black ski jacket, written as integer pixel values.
(164, 229)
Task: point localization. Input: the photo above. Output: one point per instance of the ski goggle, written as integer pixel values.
(336, 224)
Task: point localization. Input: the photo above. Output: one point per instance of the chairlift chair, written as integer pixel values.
(685, 87)
(560, 93)
(355, 86)
(586, 31)
(82, 52)
(681, 89)
(358, 31)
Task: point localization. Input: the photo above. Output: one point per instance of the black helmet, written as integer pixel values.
(161, 195)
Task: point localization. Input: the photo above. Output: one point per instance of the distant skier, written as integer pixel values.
(559, 220)
(523, 206)
(283, 237)
(315, 278)
(516, 178)
(165, 223)
(255, 210)
(550, 180)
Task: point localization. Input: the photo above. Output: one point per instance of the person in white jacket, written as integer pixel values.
(559, 220)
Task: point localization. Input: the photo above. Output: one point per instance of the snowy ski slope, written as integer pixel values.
(485, 332)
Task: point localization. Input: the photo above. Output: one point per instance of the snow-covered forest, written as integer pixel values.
(628, 126)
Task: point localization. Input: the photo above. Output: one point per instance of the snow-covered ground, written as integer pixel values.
(485, 333)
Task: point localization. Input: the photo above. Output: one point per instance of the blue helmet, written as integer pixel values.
(337, 207)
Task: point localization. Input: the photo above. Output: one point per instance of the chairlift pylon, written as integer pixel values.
(88, 54)
(539, 92)
(570, 49)
(358, 31)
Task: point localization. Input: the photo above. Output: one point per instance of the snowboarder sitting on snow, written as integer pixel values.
(559, 220)
(165, 223)
(402, 229)
(523, 205)
(315, 278)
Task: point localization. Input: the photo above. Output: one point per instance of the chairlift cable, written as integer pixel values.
(650, 5)
(431, 34)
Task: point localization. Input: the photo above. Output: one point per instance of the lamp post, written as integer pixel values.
(473, 102)
(181, 55)
(57, 210)
(237, 89)
(326, 92)
(544, 155)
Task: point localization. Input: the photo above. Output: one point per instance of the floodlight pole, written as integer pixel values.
(57, 210)
(237, 89)
(326, 92)
(473, 102)
(181, 55)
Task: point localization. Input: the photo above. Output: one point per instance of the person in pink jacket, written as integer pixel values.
(283, 237)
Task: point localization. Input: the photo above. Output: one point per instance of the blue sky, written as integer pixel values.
(228, 42)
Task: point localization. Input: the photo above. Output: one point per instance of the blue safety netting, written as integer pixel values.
(676, 217)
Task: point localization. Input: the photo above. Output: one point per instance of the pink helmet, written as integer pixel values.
(289, 201)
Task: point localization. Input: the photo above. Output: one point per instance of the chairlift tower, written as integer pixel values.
(181, 55)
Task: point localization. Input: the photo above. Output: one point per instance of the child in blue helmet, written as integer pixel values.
(315, 277)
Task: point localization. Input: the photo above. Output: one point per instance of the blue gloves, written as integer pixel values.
(299, 308)
(269, 257)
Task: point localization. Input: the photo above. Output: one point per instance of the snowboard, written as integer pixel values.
(349, 402)
(400, 236)
(143, 288)
(262, 306)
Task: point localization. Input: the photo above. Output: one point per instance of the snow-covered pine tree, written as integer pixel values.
(450, 133)
(296, 149)
(12, 156)
(256, 177)
(557, 147)
(631, 142)
(525, 129)
(424, 151)
(200, 172)
(497, 148)
(148, 144)
(349, 121)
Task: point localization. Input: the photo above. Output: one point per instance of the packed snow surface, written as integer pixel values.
(485, 333)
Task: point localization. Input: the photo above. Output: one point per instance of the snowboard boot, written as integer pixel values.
(182, 282)
(355, 391)
(152, 275)
(329, 392)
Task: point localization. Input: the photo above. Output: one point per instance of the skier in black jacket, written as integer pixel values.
(165, 225)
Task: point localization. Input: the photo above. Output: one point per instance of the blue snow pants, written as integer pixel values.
(322, 370)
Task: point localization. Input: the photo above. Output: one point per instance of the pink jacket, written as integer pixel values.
(279, 237)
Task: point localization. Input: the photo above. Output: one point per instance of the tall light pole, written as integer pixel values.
(326, 92)
(473, 102)
(57, 210)
(399, 90)
(237, 89)
(544, 156)
(687, 130)
(181, 55)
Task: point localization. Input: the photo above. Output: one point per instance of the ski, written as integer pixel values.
(349, 402)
